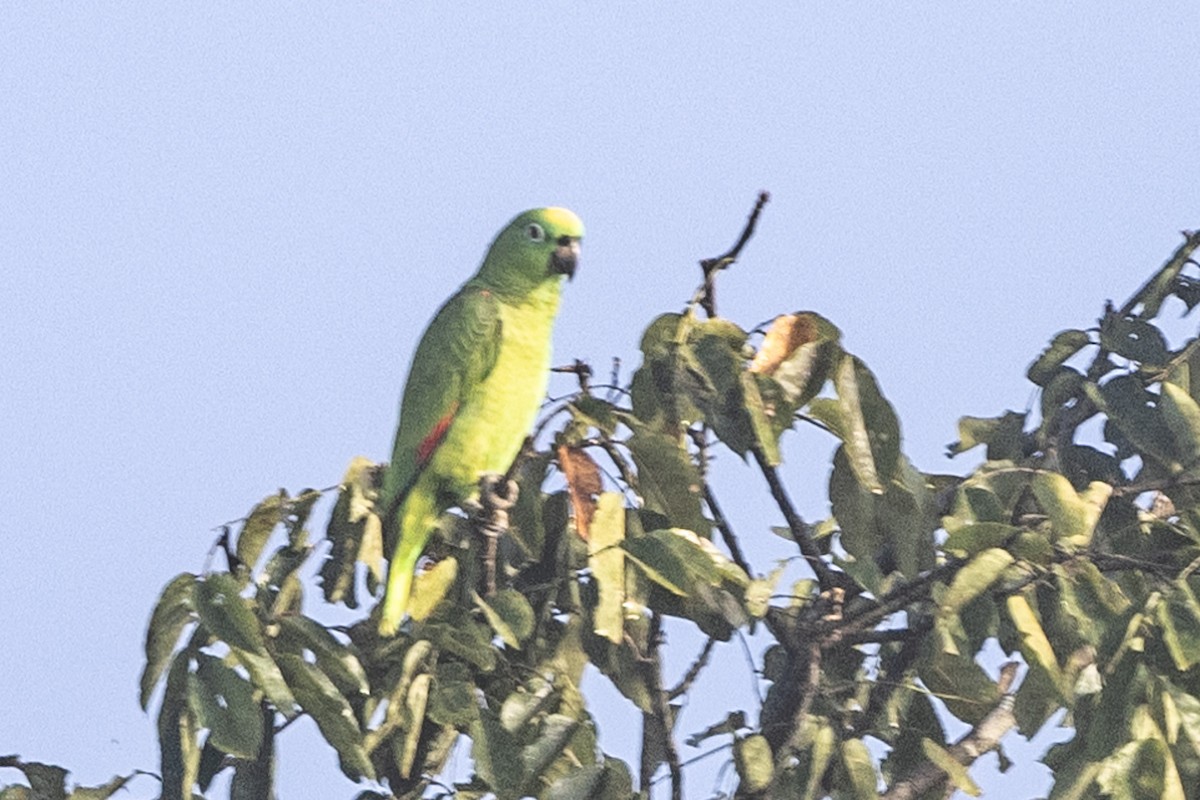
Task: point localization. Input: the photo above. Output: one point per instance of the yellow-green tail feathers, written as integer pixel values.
(415, 521)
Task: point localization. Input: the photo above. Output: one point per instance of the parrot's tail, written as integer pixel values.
(417, 516)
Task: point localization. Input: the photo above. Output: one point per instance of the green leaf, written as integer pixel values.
(1003, 436)
(1137, 416)
(955, 771)
(860, 769)
(415, 703)
(974, 578)
(668, 480)
(1182, 416)
(595, 412)
(171, 615)
(1134, 339)
(1064, 345)
(606, 559)
(102, 792)
(1179, 617)
(453, 703)
(354, 532)
(320, 698)
(555, 735)
(337, 660)
(584, 783)
(227, 614)
(223, 701)
(872, 436)
(959, 682)
(1160, 287)
(431, 587)
(497, 756)
(260, 522)
(457, 633)
(755, 763)
(979, 536)
(265, 675)
(177, 732)
(1073, 516)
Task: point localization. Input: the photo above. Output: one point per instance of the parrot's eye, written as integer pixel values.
(535, 232)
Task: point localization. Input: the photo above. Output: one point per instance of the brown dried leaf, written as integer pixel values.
(787, 332)
(583, 483)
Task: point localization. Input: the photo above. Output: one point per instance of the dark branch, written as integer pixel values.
(826, 577)
(710, 266)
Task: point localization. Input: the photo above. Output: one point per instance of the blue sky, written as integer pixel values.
(223, 226)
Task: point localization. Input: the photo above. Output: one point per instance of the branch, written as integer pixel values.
(826, 577)
(693, 671)
(660, 722)
(983, 738)
(707, 295)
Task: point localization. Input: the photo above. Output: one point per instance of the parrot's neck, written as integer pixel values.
(541, 300)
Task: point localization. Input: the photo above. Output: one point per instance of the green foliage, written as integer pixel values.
(1071, 544)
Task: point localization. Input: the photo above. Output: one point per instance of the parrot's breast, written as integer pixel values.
(500, 412)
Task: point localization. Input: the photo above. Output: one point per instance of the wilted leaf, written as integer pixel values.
(583, 483)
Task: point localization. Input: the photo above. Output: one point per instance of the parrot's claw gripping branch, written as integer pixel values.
(497, 494)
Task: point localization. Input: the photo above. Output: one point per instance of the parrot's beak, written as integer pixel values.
(565, 257)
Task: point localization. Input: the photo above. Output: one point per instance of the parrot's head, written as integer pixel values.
(540, 245)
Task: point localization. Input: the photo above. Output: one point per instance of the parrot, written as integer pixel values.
(476, 382)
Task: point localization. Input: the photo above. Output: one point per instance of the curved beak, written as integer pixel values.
(565, 257)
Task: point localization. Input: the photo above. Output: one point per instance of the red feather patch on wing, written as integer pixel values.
(430, 443)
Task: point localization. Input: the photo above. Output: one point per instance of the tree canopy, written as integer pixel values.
(1073, 547)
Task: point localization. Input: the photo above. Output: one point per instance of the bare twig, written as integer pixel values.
(693, 671)
(727, 534)
(710, 266)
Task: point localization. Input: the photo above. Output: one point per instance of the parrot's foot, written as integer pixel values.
(496, 493)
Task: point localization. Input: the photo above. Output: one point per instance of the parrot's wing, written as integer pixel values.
(455, 355)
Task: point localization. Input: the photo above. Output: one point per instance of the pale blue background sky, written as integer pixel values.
(223, 225)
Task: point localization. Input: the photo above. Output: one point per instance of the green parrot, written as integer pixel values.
(474, 388)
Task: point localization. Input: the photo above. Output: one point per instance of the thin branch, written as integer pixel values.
(799, 529)
(708, 293)
(982, 739)
(727, 534)
(693, 672)
(660, 721)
